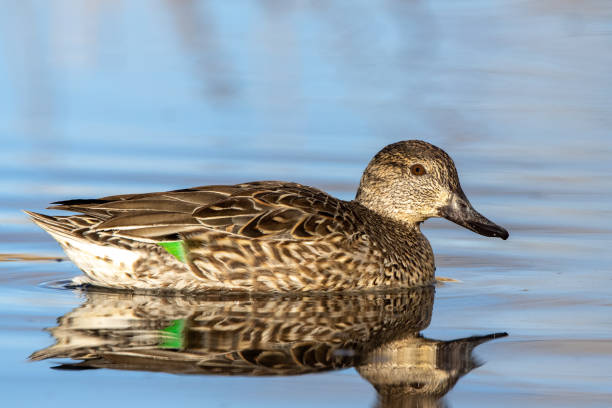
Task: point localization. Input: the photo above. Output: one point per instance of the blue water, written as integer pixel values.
(101, 98)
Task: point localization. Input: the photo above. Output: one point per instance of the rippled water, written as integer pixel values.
(101, 98)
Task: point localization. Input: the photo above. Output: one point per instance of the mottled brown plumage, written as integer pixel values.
(272, 235)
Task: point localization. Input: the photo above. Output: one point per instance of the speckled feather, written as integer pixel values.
(268, 235)
(254, 236)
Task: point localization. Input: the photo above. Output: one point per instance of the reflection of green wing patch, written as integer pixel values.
(175, 248)
(172, 336)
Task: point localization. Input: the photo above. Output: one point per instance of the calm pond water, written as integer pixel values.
(103, 98)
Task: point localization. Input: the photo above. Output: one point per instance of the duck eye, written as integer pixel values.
(417, 169)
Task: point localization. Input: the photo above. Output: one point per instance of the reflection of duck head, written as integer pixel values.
(267, 335)
(417, 368)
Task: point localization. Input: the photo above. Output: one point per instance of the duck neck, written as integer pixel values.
(407, 220)
(371, 200)
(386, 222)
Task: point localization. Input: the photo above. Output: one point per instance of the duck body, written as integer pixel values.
(259, 236)
(270, 235)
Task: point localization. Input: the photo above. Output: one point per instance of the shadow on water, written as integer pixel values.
(377, 333)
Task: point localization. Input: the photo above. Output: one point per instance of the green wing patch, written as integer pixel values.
(173, 335)
(175, 248)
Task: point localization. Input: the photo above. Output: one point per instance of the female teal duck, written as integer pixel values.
(272, 235)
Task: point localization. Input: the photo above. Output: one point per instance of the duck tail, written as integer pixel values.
(54, 225)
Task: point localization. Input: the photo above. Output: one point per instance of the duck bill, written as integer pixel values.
(460, 211)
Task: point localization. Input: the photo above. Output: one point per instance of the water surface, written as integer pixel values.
(104, 98)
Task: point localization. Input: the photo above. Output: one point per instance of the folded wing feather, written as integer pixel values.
(263, 210)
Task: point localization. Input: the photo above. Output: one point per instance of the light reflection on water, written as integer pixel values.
(114, 97)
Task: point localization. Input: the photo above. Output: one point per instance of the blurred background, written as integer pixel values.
(109, 97)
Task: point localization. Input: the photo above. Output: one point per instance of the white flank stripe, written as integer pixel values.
(103, 264)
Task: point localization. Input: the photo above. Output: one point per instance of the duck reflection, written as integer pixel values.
(225, 334)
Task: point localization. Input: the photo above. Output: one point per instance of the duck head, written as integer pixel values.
(411, 181)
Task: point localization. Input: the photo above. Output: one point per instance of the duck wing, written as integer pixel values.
(259, 210)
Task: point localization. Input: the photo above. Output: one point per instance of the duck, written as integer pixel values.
(271, 236)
